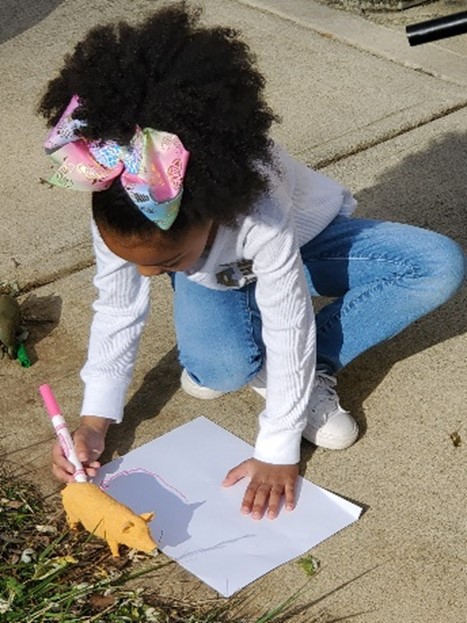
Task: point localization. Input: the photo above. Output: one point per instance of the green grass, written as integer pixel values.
(48, 574)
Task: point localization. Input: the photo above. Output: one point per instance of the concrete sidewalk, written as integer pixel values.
(388, 121)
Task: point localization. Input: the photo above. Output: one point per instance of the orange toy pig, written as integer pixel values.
(100, 514)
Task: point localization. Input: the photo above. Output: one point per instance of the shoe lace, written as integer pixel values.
(324, 399)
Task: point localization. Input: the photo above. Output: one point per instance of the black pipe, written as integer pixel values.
(439, 28)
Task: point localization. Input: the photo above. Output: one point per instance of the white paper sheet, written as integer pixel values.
(198, 523)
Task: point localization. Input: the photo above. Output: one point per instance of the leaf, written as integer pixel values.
(45, 569)
(13, 504)
(309, 564)
(4, 606)
(101, 602)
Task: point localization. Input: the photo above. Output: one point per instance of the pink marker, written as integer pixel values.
(61, 429)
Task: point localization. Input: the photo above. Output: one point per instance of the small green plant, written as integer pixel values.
(49, 575)
(309, 564)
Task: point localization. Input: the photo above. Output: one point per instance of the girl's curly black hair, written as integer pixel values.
(172, 74)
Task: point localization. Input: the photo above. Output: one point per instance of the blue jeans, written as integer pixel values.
(381, 276)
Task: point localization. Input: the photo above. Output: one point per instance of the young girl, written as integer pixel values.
(166, 124)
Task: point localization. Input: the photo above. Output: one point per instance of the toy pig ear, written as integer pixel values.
(147, 517)
(127, 526)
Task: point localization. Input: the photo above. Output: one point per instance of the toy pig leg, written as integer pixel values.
(72, 517)
(113, 544)
(72, 520)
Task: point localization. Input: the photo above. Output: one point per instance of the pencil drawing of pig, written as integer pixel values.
(100, 514)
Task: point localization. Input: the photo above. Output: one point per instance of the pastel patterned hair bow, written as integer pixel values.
(151, 167)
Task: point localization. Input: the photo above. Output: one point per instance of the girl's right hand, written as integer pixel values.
(89, 441)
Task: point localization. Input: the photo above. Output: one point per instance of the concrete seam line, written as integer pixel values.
(433, 66)
(324, 162)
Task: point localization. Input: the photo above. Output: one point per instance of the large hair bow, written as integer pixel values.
(151, 167)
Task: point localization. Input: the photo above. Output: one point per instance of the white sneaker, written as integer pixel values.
(328, 426)
(192, 388)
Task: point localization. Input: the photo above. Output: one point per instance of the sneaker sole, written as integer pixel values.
(259, 390)
(197, 391)
(321, 439)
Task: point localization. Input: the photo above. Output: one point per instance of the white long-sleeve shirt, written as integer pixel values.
(265, 246)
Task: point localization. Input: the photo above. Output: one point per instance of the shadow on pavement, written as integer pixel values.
(18, 15)
(429, 199)
(158, 387)
(417, 192)
(288, 611)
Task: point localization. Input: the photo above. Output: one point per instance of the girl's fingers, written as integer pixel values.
(256, 498)
(62, 468)
(248, 498)
(289, 496)
(91, 469)
(274, 502)
(235, 474)
(60, 462)
(61, 474)
(82, 449)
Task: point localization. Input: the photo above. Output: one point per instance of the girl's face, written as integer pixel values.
(161, 254)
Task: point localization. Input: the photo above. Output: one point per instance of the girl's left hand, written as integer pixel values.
(268, 483)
